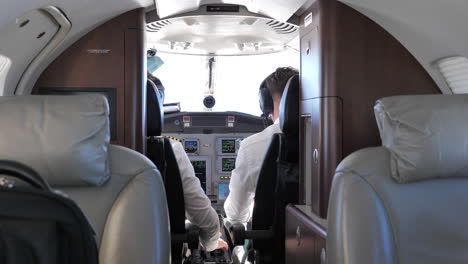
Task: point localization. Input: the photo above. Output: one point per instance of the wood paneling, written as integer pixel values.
(310, 57)
(347, 63)
(371, 64)
(346, 56)
(135, 90)
(304, 238)
(321, 117)
(111, 56)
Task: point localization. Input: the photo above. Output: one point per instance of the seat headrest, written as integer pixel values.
(289, 107)
(154, 110)
(64, 138)
(427, 135)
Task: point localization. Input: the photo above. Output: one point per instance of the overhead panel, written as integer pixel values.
(278, 9)
(209, 34)
(27, 35)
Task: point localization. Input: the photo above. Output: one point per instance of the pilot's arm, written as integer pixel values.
(239, 204)
(198, 208)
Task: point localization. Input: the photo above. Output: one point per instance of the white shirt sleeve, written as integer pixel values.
(198, 208)
(239, 204)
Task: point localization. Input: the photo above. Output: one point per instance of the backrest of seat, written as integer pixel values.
(154, 110)
(263, 216)
(283, 147)
(129, 213)
(278, 180)
(66, 140)
(172, 179)
(405, 202)
(289, 107)
(289, 120)
(175, 198)
(161, 153)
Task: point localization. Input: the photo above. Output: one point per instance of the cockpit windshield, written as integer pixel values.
(232, 80)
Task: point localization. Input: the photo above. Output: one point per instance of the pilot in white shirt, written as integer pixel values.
(198, 208)
(239, 204)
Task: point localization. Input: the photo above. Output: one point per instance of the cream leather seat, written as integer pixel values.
(66, 140)
(407, 201)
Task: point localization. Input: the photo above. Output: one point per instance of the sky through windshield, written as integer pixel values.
(237, 79)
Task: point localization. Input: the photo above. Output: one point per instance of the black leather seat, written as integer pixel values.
(277, 185)
(154, 110)
(159, 150)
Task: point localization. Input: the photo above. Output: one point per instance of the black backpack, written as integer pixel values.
(39, 225)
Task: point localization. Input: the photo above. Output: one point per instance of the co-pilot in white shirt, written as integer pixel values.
(198, 208)
(239, 204)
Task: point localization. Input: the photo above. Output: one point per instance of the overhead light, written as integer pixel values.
(188, 45)
(256, 45)
(172, 45)
(249, 46)
(180, 45)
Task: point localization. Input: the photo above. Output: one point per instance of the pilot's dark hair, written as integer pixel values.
(276, 82)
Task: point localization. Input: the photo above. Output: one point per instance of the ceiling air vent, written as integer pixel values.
(281, 27)
(158, 25)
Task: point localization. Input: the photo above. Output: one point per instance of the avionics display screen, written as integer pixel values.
(228, 164)
(223, 191)
(200, 171)
(228, 146)
(191, 146)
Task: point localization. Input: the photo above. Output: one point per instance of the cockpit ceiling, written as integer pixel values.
(280, 10)
(221, 35)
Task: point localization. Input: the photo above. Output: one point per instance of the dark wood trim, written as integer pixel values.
(310, 224)
(328, 47)
(305, 239)
(135, 87)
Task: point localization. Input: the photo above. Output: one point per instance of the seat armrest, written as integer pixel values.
(193, 235)
(236, 232)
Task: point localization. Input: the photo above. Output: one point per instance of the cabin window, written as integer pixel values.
(5, 64)
(235, 80)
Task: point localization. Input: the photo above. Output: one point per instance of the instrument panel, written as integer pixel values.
(212, 141)
(213, 157)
